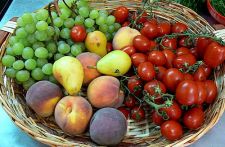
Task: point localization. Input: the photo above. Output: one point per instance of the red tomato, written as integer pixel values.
(193, 118)
(109, 47)
(179, 27)
(174, 112)
(157, 119)
(172, 78)
(157, 58)
(125, 111)
(153, 45)
(201, 44)
(187, 92)
(160, 72)
(194, 52)
(169, 43)
(125, 24)
(150, 31)
(200, 75)
(207, 70)
(183, 61)
(202, 93)
(171, 130)
(214, 55)
(164, 28)
(130, 50)
(141, 43)
(121, 14)
(78, 33)
(185, 42)
(151, 21)
(130, 101)
(183, 51)
(211, 89)
(135, 85)
(188, 76)
(146, 71)
(137, 113)
(170, 56)
(138, 58)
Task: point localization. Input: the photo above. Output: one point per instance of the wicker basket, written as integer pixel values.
(141, 134)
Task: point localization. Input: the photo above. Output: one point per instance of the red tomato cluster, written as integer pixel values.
(178, 66)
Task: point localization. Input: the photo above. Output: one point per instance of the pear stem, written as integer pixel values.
(91, 67)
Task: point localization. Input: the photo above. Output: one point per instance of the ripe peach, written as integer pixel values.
(72, 114)
(105, 91)
(89, 59)
(42, 97)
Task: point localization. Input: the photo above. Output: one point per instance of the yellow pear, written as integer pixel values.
(96, 42)
(68, 71)
(115, 63)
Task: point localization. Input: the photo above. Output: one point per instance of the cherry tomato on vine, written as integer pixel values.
(155, 88)
(179, 27)
(130, 50)
(194, 52)
(146, 71)
(182, 51)
(173, 112)
(169, 43)
(78, 33)
(151, 21)
(125, 24)
(201, 44)
(185, 42)
(125, 111)
(170, 56)
(141, 43)
(109, 47)
(138, 58)
(157, 119)
(150, 31)
(172, 78)
(194, 118)
(187, 92)
(202, 93)
(184, 61)
(171, 130)
(207, 70)
(160, 72)
(138, 113)
(135, 85)
(157, 58)
(211, 89)
(188, 76)
(130, 101)
(143, 17)
(164, 28)
(121, 14)
(200, 74)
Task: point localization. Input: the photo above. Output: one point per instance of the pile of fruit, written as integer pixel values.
(86, 66)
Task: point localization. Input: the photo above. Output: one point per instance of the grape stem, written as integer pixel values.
(52, 22)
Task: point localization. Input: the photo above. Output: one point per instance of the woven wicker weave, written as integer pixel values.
(47, 132)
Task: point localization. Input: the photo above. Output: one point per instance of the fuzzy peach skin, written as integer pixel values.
(72, 114)
(42, 97)
(105, 91)
(88, 59)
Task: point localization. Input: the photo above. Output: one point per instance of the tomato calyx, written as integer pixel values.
(191, 69)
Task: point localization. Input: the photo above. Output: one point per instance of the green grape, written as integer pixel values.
(110, 20)
(51, 47)
(65, 13)
(30, 64)
(70, 42)
(21, 33)
(18, 65)
(111, 29)
(47, 69)
(37, 74)
(69, 23)
(41, 53)
(54, 14)
(52, 79)
(103, 28)
(84, 11)
(79, 20)
(50, 31)
(58, 22)
(9, 51)
(18, 48)
(30, 28)
(57, 31)
(34, 18)
(50, 55)
(31, 39)
(10, 72)
(22, 75)
(92, 29)
(60, 42)
(64, 48)
(82, 45)
(89, 22)
(37, 45)
(24, 41)
(41, 62)
(41, 26)
(27, 84)
(40, 35)
(68, 2)
(100, 20)
(8, 60)
(45, 78)
(117, 26)
(82, 3)
(42, 14)
(20, 22)
(94, 14)
(13, 40)
(103, 13)
(65, 33)
(27, 18)
(28, 53)
(76, 49)
(113, 34)
(108, 36)
(57, 56)
(70, 54)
